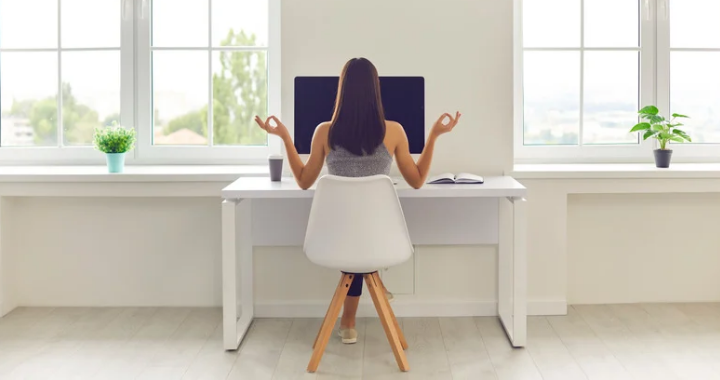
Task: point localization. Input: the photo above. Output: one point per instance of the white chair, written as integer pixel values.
(357, 226)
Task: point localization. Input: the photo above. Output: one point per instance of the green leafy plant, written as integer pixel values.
(114, 139)
(659, 128)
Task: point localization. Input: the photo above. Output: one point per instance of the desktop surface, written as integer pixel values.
(262, 187)
(403, 101)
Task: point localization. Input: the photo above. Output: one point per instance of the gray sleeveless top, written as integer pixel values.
(345, 164)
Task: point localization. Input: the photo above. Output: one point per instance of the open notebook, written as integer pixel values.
(459, 178)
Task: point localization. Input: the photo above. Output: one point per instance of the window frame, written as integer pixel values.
(654, 75)
(135, 82)
(146, 152)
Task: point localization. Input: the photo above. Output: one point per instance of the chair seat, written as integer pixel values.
(356, 225)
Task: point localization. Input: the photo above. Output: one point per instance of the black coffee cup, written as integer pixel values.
(275, 161)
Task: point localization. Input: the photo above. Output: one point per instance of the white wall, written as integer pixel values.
(463, 48)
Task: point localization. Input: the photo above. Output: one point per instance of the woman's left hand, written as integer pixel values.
(278, 129)
(441, 127)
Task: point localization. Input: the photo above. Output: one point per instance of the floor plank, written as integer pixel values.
(174, 358)
(212, 362)
(378, 359)
(465, 349)
(683, 348)
(135, 355)
(261, 349)
(547, 350)
(509, 363)
(588, 350)
(343, 361)
(640, 360)
(295, 355)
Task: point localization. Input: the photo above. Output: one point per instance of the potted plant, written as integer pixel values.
(663, 130)
(114, 141)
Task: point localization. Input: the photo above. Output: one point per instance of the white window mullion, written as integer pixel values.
(59, 122)
(127, 69)
(274, 70)
(210, 78)
(582, 73)
(518, 55)
(143, 78)
(650, 62)
(663, 56)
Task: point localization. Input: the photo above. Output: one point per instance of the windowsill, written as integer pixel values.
(229, 173)
(133, 173)
(615, 171)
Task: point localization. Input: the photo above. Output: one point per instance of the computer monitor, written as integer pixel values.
(403, 100)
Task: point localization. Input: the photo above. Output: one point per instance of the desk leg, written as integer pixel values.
(236, 321)
(512, 271)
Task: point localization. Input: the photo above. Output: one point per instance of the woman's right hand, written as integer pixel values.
(440, 127)
(278, 129)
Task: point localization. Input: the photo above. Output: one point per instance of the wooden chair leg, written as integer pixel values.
(338, 288)
(403, 342)
(381, 305)
(329, 323)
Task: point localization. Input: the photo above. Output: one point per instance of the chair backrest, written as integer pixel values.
(357, 225)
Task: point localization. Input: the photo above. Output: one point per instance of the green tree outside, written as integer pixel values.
(79, 120)
(239, 93)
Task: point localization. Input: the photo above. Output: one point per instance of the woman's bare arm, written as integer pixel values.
(305, 173)
(415, 174)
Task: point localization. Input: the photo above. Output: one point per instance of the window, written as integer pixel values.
(57, 81)
(188, 76)
(584, 67)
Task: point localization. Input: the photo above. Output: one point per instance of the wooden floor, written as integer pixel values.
(658, 341)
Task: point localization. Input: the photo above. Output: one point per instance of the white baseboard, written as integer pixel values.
(404, 308)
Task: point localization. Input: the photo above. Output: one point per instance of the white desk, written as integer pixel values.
(241, 230)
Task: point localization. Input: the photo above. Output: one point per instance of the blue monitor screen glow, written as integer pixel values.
(403, 100)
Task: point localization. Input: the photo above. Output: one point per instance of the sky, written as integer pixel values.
(181, 77)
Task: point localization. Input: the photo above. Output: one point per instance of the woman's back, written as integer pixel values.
(343, 163)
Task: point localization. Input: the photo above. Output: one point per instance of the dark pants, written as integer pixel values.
(356, 285)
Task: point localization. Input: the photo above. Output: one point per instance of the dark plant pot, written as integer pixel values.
(662, 157)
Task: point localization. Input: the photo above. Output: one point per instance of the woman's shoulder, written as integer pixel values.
(393, 128)
(323, 128)
(392, 125)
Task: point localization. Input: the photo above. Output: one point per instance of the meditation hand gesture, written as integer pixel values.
(441, 127)
(278, 129)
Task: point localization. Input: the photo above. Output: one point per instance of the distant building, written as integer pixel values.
(16, 131)
(181, 137)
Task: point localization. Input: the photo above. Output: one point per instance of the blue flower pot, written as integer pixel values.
(115, 162)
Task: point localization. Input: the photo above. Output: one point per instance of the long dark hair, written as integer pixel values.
(358, 123)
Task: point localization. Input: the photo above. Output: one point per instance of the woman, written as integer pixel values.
(358, 142)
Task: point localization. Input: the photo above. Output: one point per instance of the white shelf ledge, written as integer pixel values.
(615, 171)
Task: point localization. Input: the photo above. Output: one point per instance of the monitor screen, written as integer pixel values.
(403, 100)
